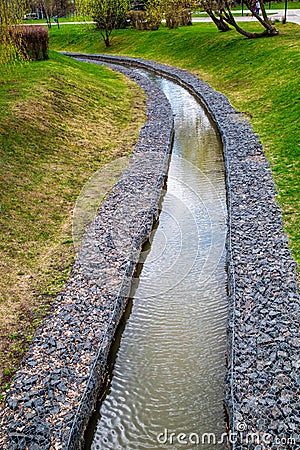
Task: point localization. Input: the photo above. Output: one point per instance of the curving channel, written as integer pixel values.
(167, 387)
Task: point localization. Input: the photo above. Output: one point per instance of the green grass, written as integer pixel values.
(62, 20)
(281, 5)
(60, 121)
(275, 5)
(260, 77)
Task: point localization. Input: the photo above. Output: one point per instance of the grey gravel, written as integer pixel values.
(66, 361)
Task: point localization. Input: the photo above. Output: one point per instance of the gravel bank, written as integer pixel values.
(263, 344)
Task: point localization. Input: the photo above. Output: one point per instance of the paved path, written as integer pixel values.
(293, 15)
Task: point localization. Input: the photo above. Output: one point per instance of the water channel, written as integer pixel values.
(168, 375)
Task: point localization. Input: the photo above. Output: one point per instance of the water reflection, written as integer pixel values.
(169, 369)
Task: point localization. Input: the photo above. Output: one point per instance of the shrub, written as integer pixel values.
(150, 19)
(172, 19)
(32, 41)
(154, 14)
(137, 19)
(186, 17)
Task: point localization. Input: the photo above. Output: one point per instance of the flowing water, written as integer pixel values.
(168, 376)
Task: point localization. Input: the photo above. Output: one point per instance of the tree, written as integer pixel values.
(11, 13)
(216, 16)
(52, 8)
(146, 15)
(108, 15)
(153, 14)
(221, 14)
(47, 7)
(172, 13)
(177, 12)
(63, 7)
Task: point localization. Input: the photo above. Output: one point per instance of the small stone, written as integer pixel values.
(38, 402)
(12, 403)
(31, 380)
(276, 413)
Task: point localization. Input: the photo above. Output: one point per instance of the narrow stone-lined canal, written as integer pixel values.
(167, 387)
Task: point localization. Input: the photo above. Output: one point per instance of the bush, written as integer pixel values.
(143, 20)
(172, 19)
(137, 19)
(186, 17)
(32, 41)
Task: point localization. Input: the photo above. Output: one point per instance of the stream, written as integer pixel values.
(167, 382)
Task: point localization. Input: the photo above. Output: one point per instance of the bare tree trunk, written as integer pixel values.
(263, 11)
(45, 12)
(105, 33)
(218, 21)
(270, 30)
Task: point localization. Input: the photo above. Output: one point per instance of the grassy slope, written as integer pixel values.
(60, 121)
(260, 77)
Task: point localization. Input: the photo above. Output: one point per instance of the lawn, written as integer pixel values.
(62, 20)
(259, 76)
(60, 121)
(281, 5)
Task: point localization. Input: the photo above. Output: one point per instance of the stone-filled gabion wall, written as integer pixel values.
(262, 383)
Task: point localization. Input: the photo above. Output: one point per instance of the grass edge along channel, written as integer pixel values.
(60, 122)
(259, 76)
